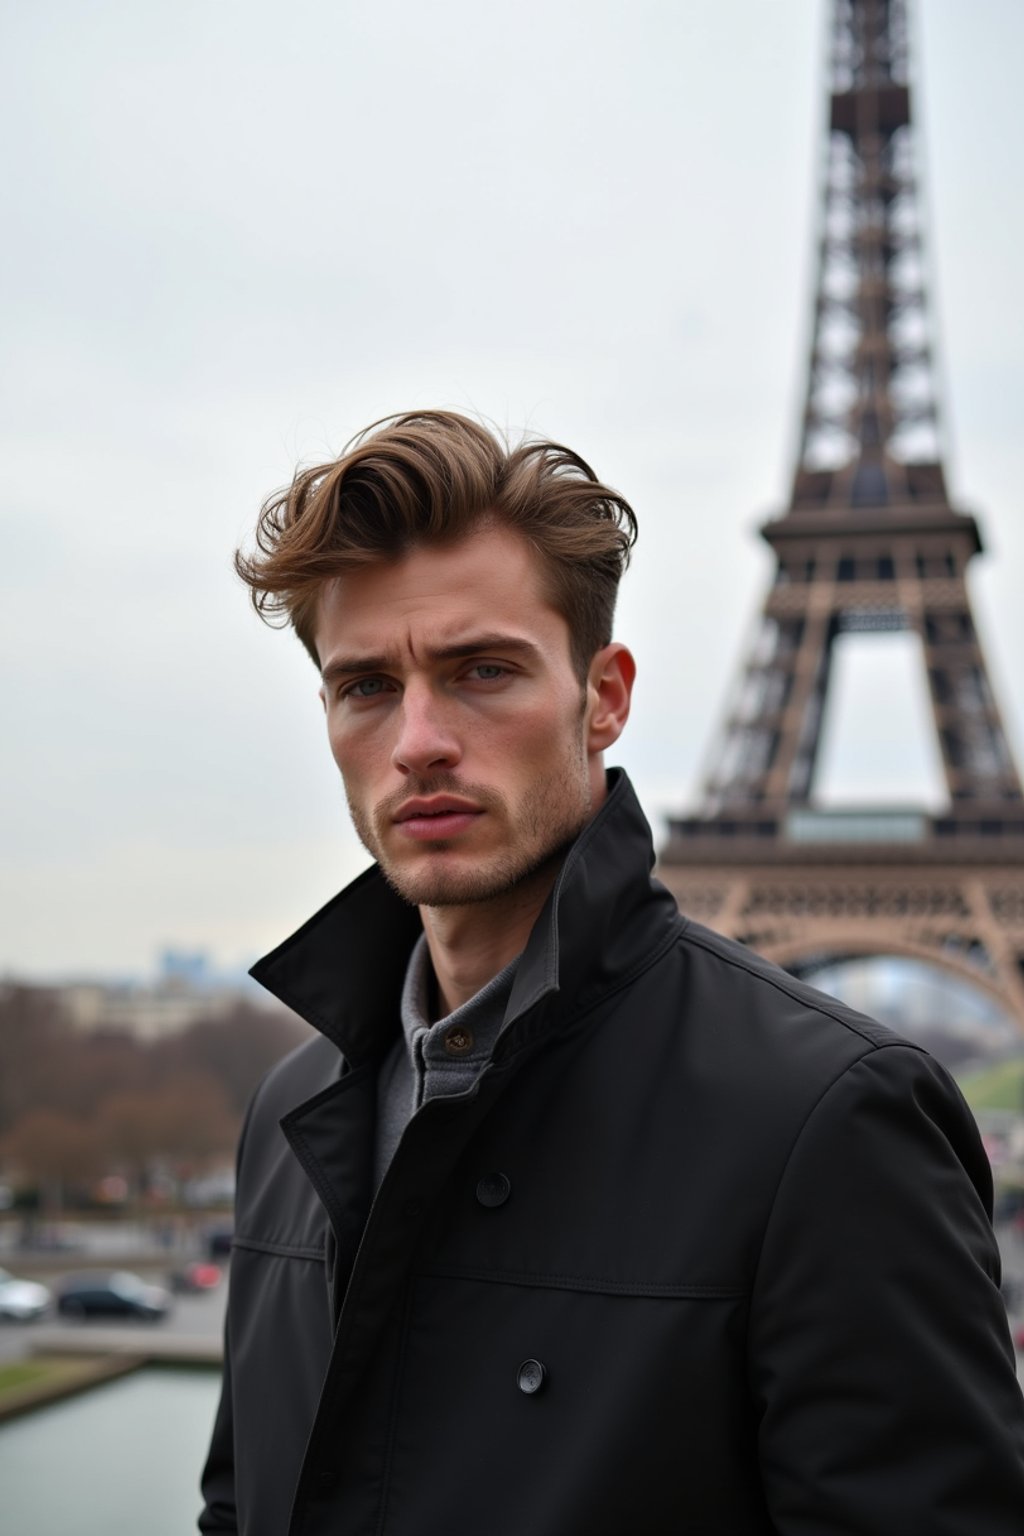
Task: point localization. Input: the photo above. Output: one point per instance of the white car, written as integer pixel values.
(22, 1300)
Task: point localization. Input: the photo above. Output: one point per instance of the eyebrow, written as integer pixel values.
(345, 666)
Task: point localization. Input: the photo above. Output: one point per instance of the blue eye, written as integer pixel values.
(365, 688)
(487, 671)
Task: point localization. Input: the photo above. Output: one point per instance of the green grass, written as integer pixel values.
(998, 1087)
(21, 1377)
(24, 1373)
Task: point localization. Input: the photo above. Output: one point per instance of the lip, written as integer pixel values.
(436, 817)
(436, 805)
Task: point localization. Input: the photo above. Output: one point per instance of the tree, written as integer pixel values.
(33, 1030)
(237, 1049)
(52, 1151)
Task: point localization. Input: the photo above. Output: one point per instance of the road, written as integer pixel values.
(193, 1317)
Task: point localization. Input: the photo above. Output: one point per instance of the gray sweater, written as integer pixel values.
(433, 1060)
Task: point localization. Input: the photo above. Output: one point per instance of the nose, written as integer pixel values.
(426, 740)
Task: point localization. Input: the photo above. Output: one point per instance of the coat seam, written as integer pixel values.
(592, 1283)
(282, 1250)
(776, 982)
(385, 1481)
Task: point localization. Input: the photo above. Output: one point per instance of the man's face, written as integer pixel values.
(455, 717)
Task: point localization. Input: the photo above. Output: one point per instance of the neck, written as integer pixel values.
(469, 945)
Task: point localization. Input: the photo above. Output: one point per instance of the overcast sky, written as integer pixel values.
(236, 232)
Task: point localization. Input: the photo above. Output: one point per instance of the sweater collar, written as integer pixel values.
(343, 970)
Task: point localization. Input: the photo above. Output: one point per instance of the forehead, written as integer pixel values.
(438, 593)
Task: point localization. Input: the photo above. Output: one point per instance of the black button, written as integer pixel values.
(412, 1208)
(493, 1189)
(459, 1040)
(532, 1376)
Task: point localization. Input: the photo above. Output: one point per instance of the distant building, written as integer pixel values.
(190, 967)
(147, 1012)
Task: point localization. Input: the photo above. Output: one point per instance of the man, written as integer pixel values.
(577, 1219)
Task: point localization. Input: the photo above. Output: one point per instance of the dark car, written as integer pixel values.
(112, 1295)
(218, 1242)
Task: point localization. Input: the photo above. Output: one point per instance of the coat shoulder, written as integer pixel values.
(778, 995)
(767, 1048)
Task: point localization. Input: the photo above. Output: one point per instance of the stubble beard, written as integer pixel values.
(552, 814)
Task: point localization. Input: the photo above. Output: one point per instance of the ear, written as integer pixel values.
(609, 691)
(322, 696)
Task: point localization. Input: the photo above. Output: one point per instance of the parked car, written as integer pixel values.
(112, 1295)
(22, 1300)
(218, 1242)
(197, 1276)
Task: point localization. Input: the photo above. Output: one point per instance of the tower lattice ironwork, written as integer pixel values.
(868, 542)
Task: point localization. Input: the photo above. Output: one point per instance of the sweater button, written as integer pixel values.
(493, 1189)
(458, 1041)
(532, 1376)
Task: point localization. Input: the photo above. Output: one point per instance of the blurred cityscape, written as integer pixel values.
(126, 1096)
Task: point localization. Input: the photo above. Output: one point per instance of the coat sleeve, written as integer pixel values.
(219, 1514)
(880, 1360)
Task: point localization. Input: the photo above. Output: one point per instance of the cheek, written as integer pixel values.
(361, 750)
(543, 737)
(342, 748)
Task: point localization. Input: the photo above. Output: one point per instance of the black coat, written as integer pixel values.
(734, 1235)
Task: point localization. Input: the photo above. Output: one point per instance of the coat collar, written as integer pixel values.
(343, 970)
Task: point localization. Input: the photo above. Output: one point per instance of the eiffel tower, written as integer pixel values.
(868, 542)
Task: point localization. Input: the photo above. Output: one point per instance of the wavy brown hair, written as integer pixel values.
(432, 477)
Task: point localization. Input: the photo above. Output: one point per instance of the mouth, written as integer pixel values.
(435, 818)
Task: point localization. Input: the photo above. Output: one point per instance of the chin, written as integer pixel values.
(449, 887)
(477, 882)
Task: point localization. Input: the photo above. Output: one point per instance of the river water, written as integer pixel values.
(122, 1458)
